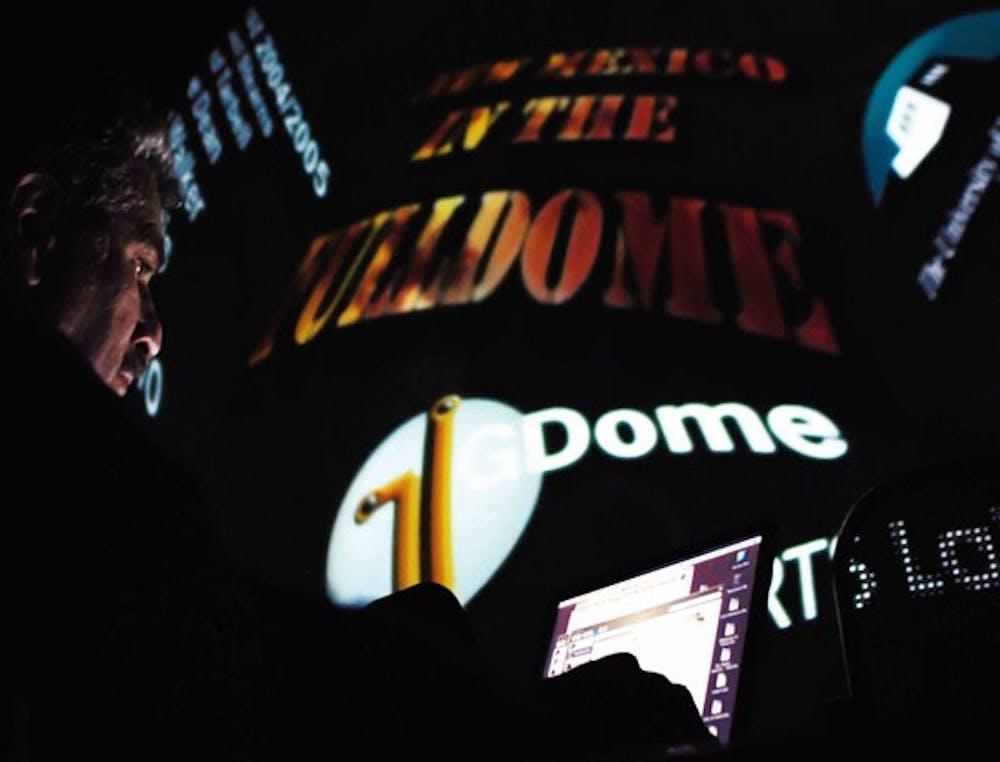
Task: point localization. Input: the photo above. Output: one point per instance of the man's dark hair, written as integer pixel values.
(100, 143)
(113, 139)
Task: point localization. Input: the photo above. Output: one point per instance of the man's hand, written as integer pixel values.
(620, 705)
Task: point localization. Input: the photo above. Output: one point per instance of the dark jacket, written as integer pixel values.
(132, 633)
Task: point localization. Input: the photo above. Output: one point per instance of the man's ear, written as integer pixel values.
(36, 206)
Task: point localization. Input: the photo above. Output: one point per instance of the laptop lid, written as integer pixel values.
(687, 618)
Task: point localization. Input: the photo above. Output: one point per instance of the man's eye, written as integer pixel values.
(142, 268)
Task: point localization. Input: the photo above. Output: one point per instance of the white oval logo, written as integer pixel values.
(445, 496)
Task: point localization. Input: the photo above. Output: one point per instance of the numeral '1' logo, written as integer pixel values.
(422, 535)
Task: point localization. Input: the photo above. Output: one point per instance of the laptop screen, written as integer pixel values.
(687, 620)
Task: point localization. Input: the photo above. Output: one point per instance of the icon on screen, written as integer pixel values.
(716, 707)
(741, 555)
(729, 629)
(713, 730)
(721, 680)
(726, 654)
(734, 604)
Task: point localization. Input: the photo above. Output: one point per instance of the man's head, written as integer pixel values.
(86, 240)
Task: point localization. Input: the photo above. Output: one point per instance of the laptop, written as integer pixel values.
(688, 618)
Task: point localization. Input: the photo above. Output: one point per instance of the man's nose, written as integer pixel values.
(149, 330)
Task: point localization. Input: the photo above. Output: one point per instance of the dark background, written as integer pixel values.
(49, 54)
(277, 446)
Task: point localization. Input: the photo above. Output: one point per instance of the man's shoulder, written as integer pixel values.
(80, 461)
(46, 382)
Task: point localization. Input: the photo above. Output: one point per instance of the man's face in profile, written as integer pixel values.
(106, 308)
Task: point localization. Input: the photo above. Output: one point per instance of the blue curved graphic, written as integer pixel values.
(975, 36)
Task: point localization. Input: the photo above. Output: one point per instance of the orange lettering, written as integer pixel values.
(379, 261)
(507, 243)
(562, 64)
(478, 122)
(399, 297)
(540, 109)
(303, 277)
(609, 61)
(584, 242)
(690, 295)
(816, 330)
(311, 321)
(760, 312)
(643, 59)
(641, 238)
(677, 61)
